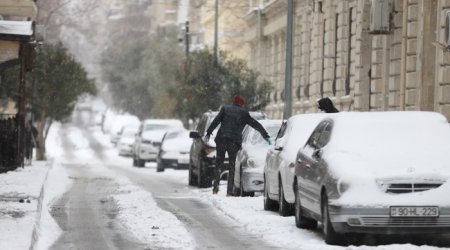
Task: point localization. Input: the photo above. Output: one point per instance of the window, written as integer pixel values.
(324, 136)
(282, 130)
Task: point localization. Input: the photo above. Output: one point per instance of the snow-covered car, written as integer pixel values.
(174, 151)
(202, 159)
(279, 168)
(375, 172)
(249, 167)
(117, 123)
(126, 141)
(148, 139)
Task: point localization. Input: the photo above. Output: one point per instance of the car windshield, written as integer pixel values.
(172, 135)
(128, 133)
(257, 139)
(150, 127)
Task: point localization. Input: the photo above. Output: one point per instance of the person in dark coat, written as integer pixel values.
(325, 104)
(233, 119)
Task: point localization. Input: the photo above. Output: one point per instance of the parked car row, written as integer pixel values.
(164, 141)
(375, 172)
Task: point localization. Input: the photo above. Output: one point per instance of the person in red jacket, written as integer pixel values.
(233, 118)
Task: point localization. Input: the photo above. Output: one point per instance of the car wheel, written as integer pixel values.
(269, 204)
(140, 163)
(159, 167)
(284, 208)
(242, 192)
(204, 181)
(134, 162)
(191, 176)
(331, 237)
(300, 220)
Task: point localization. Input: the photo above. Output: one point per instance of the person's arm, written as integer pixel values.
(256, 125)
(215, 122)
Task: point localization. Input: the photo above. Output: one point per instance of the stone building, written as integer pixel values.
(231, 26)
(366, 55)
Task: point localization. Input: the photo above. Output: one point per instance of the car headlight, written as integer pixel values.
(251, 163)
(342, 187)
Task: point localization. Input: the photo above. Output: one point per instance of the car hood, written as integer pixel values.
(153, 135)
(258, 154)
(367, 184)
(127, 140)
(179, 145)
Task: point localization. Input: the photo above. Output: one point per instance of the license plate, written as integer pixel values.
(414, 211)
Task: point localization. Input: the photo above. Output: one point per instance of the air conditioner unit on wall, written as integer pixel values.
(380, 17)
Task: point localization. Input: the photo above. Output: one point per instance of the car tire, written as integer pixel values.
(141, 163)
(134, 162)
(204, 181)
(242, 192)
(284, 208)
(159, 167)
(269, 204)
(300, 220)
(192, 180)
(331, 237)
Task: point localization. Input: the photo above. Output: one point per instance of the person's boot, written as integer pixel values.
(230, 194)
(215, 191)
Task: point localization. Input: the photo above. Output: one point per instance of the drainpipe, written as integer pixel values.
(404, 55)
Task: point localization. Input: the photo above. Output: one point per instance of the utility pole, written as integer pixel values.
(288, 72)
(186, 39)
(216, 31)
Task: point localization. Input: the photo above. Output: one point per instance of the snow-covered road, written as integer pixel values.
(160, 211)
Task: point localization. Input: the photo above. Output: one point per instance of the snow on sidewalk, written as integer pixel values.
(20, 204)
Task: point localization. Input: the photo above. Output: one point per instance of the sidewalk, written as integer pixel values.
(20, 204)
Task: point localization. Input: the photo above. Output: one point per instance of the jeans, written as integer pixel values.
(222, 146)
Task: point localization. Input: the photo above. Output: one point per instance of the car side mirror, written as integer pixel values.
(194, 135)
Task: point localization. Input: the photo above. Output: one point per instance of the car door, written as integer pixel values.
(273, 159)
(306, 164)
(319, 168)
(197, 143)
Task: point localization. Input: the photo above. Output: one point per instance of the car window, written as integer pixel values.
(149, 127)
(325, 135)
(256, 138)
(201, 125)
(282, 130)
(314, 138)
(172, 135)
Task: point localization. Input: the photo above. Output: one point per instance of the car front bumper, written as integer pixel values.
(180, 161)
(148, 152)
(378, 221)
(252, 181)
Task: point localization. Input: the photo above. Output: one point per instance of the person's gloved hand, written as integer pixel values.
(268, 140)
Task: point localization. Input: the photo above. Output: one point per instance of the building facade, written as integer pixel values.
(366, 55)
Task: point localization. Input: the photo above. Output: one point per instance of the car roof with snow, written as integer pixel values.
(381, 143)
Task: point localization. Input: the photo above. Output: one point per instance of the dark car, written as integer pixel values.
(203, 155)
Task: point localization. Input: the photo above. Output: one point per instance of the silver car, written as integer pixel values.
(249, 167)
(375, 172)
(280, 161)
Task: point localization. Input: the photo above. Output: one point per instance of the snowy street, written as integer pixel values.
(109, 204)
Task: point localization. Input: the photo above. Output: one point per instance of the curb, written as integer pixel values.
(37, 224)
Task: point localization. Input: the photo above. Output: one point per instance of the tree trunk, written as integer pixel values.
(43, 125)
